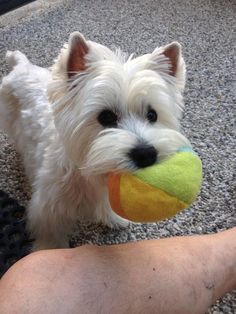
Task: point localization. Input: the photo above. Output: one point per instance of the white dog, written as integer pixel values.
(95, 111)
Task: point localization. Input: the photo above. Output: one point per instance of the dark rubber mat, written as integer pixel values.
(8, 5)
(14, 240)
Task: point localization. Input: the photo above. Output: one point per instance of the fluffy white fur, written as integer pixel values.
(51, 115)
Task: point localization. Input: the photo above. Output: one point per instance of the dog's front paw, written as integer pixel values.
(115, 221)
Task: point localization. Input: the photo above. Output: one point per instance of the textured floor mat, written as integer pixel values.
(14, 240)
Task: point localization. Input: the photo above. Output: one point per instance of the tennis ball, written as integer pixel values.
(159, 191)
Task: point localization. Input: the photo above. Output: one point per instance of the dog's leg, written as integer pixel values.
(105, 215)
(97, 198)
(62, 197)
(53, 209)
(48, 221)
(52, 212)
(51, 218)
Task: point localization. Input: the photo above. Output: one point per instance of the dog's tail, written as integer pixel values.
(16, 57)
(8, 102)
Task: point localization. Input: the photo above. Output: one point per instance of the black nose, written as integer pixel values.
(143, 155)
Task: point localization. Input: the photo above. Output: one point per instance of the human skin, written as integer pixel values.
(175, 275)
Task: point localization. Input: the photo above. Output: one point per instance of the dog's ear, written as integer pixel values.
(173, 53)
(78, 48)
(175, 62)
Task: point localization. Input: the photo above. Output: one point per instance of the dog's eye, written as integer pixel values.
(152, 115)
(108, 118)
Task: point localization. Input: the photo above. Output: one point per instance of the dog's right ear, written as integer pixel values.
(174, 64)
(78, 48)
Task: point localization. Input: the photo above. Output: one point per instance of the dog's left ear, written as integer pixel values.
(78, 49)
(173, 64)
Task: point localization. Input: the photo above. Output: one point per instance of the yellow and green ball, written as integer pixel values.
(159, 191)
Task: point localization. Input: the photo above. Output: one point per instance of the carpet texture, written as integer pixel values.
(206, 29)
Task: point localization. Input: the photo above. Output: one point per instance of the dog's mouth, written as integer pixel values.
(120, 151)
